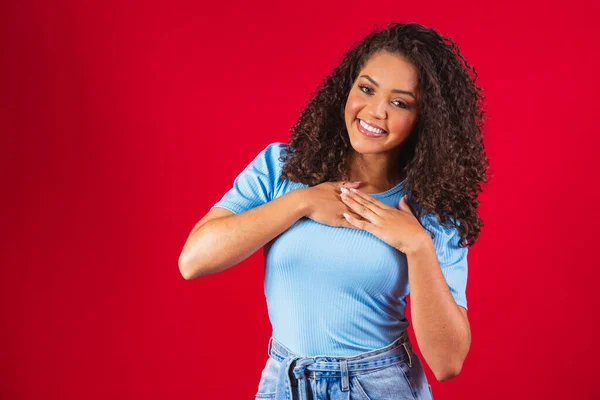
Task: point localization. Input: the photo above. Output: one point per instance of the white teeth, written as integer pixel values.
(370, 128)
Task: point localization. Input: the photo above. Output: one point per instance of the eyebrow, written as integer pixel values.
(393, 90)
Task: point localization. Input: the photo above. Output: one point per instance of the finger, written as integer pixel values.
(405, 206)
(370, 200)
(363, 201)
(346, 224)
(403, 203)
(352, 214)
(362, 209)
(348, 184)
(357, 223)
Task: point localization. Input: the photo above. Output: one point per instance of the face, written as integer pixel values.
(383, 96)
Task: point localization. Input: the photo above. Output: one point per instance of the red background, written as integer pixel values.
(124, 121)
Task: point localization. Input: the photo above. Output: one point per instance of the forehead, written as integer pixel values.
(391, 71)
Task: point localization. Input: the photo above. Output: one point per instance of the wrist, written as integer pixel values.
(423, 244)
(301, 200)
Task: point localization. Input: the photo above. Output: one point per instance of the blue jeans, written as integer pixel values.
(391, 372)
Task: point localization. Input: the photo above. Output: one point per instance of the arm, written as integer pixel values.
(441, 326)
(224, 242)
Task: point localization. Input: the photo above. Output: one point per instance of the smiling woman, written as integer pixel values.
(400, 117)
(375, 108)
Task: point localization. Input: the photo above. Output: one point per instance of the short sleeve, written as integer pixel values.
(256, 184)
(452, 259)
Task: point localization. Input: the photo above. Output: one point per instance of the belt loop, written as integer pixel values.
(270, 344)
(408, 352)
(345, 380)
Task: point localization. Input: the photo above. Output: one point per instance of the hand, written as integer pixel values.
(324, 204)
(398, 227)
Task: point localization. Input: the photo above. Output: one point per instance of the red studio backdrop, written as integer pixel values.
(123, 122)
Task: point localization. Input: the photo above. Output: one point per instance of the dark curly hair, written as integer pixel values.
(443, 159)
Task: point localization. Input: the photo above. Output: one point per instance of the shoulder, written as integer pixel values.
(267, 166)
(273, 151)
(446, 234)
(269, 156)
(432, 221)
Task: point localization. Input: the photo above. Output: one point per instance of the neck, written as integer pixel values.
(379, 172)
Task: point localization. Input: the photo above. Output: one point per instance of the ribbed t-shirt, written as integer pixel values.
(336, 291)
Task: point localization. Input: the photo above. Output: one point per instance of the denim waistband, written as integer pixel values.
(295, 366)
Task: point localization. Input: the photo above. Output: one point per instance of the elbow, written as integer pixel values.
(187, 270)
(194, 268)
(201, 259)
(184, 270)
(452, 365)
(447, 372)
(191, 265)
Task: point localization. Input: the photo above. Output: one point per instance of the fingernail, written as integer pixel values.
(344, 190)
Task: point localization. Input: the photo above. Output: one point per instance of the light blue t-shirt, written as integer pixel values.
(336, 291)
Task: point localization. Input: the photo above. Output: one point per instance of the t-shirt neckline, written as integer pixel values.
(388, 192)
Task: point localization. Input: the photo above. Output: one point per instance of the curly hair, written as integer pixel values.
(443, 159)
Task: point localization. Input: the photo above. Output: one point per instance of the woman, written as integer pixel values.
(376, 188)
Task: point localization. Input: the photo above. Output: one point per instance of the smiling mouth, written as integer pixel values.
(369, 133)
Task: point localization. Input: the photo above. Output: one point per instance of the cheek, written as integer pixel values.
(353, 106)
(402, 125)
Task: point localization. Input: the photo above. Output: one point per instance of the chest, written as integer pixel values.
(336, 258)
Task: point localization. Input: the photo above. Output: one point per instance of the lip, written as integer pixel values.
(368, 133)
(372, 124)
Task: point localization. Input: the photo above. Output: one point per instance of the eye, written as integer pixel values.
(401, 104)
(361, 87)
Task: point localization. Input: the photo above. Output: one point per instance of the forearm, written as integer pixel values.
(441, 330)
(224, 242)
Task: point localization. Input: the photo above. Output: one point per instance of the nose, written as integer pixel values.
(377, 109)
